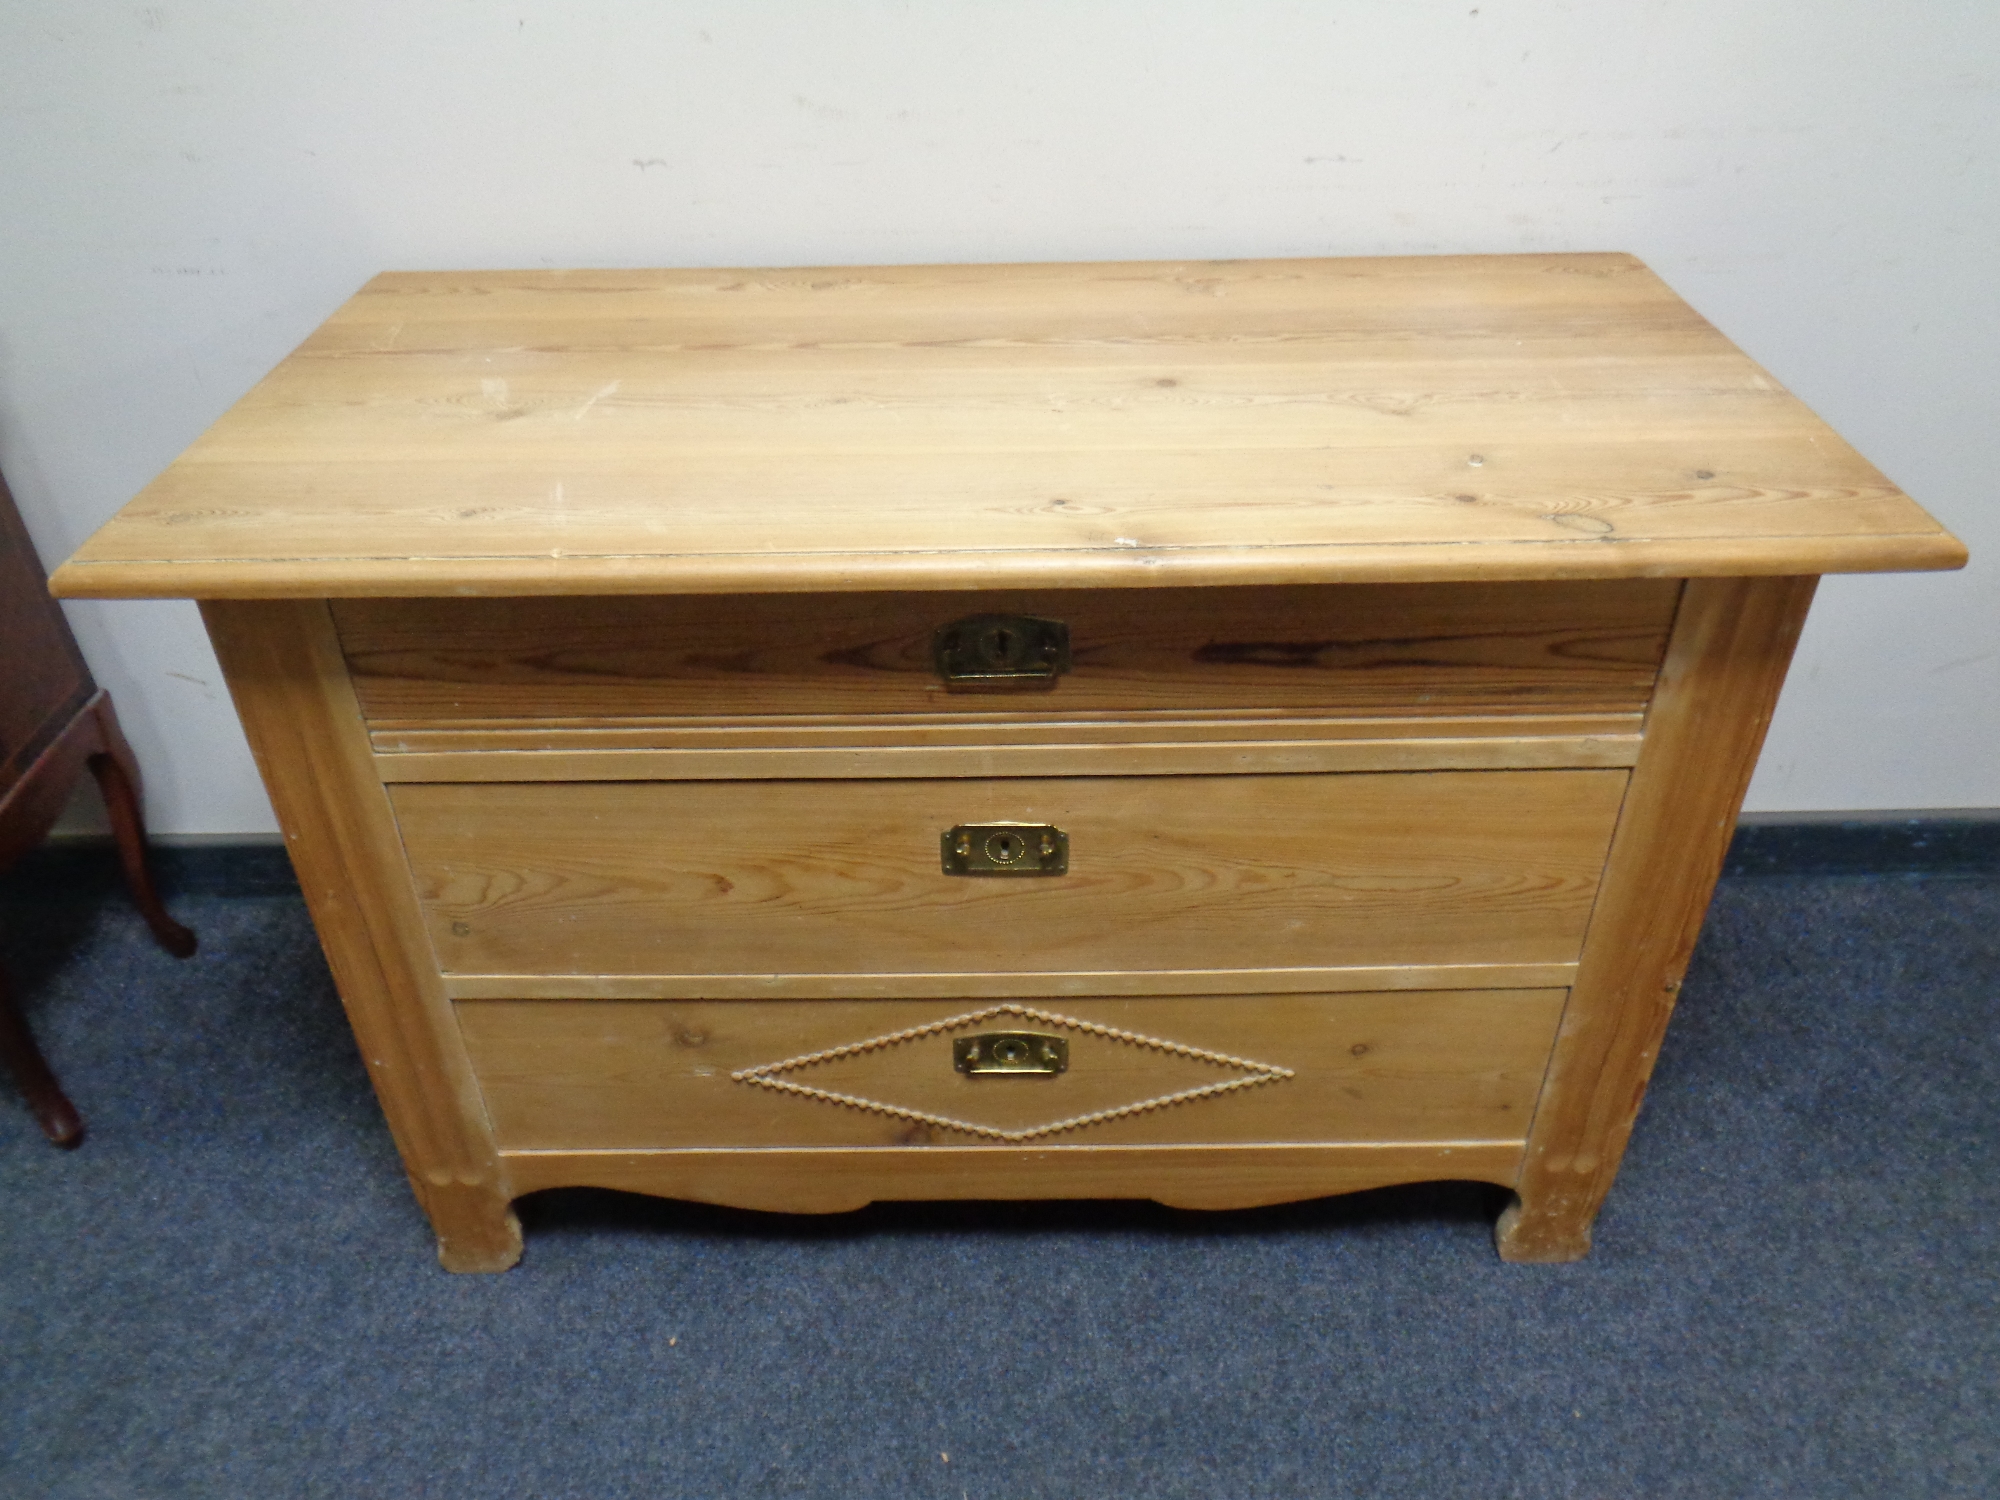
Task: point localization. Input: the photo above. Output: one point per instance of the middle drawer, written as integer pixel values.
(681, 883)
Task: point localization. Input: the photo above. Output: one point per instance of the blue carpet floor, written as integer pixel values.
(1796, 1292)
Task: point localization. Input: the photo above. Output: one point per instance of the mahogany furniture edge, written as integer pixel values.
(55, 724)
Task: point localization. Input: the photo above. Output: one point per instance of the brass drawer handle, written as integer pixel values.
(998, 652)
(1010, 1052)
(1005, 849)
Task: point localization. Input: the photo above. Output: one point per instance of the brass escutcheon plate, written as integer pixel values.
(1010, 1052)
(1005, 849)
(1001, 651)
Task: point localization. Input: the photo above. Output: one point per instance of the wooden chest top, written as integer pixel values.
(1111, 425)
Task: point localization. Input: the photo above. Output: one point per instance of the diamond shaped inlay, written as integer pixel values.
(843, 1071)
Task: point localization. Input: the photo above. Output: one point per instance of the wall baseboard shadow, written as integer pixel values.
(1960, 842)
(84, 868)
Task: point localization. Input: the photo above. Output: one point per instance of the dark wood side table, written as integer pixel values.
(56, 722)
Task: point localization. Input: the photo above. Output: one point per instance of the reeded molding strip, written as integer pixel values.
(765, 1074)
(1167, 758)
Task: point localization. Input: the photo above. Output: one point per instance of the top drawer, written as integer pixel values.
(1365, 650)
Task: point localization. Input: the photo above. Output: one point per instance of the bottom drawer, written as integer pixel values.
(1425, 1066)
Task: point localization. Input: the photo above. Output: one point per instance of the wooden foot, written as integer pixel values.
(117, 773)
(46, 1100)
(477, 1228)
(1526, 1236)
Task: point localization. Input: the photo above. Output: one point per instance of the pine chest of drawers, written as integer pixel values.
(1220, 733)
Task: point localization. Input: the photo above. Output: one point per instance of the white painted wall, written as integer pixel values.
(190, 187)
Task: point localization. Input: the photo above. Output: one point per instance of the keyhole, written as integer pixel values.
(1005, 848)
(1012, 1051)
(1002, 646)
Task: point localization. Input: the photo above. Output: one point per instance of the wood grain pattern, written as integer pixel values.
(1165, 872)
(925, 428)
(834, 1180)
(1370, 567)
(1425, 1066)
(290, 686)
(1720, 684)
(1365, 650)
